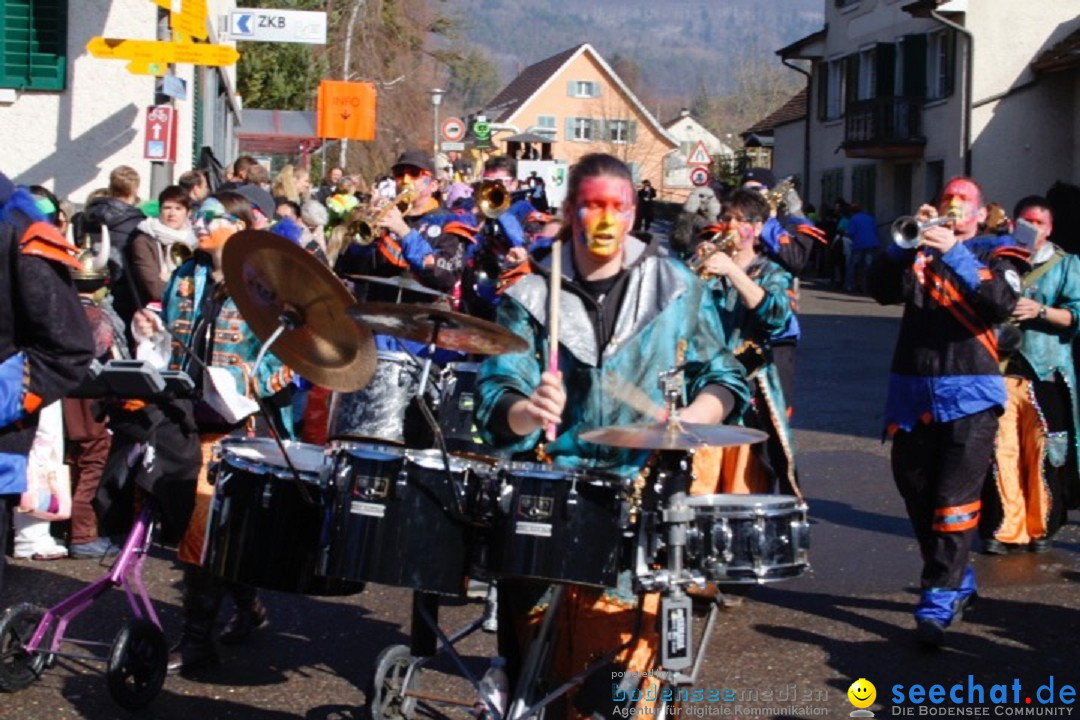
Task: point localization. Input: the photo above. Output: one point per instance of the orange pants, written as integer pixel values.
(728, 470)
(191, 545)
(1018, 461)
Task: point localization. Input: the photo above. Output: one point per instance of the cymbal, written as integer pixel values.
(672, 436)
(270, 277)
(433, 323)
(401, 283)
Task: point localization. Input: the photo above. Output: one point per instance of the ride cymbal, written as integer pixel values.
(673, 435)
(439, 325)
(272, 280)
(401, 283)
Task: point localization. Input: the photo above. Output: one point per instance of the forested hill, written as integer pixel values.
(678, 45)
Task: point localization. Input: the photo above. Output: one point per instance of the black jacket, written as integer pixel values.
(123, 221)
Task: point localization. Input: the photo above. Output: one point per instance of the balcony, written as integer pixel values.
(885, 128)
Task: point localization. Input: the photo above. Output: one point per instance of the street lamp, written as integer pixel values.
(436, 101)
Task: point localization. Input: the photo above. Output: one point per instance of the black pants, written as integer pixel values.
(783, 355)
(6, 503)
(939, 469)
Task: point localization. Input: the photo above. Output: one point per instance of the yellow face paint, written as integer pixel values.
(604, 215)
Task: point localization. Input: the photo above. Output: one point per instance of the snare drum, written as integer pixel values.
(384, 411)
(748, 538)
(560, 526)
(260, 531)
(400, 519)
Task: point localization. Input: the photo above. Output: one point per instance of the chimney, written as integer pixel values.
(684, 112)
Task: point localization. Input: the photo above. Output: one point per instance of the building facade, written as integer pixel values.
(906, 94)
(688, 132)
(68, 118)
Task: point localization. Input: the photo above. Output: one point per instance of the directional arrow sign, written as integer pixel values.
(191, 19)
(242, 24)
(142, 67)
(158, 51)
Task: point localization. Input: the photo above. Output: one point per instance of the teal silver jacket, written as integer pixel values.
(235, 345)
(664, 303)
(759, 326)
(1048, 349)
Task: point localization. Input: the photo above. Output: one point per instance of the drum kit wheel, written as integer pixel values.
(424, 519)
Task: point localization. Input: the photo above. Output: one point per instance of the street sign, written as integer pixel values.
(143, 67)
(160, 51)
(700, 176)
(481, 131)
(449, 145)
(191, 20)
(452, 129)
(174, 87)
(700, 155)
(160, 144)
(346, 110)
(287, 26)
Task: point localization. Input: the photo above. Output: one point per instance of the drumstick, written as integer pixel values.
(631, 395)
(553, 318)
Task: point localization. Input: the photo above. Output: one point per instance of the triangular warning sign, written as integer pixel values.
(700, 156)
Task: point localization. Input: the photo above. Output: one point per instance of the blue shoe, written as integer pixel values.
(100, 548)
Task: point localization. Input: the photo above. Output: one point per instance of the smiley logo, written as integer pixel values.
(862, 693)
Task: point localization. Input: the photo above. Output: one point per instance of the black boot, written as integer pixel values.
(195, 651)
(250, 615)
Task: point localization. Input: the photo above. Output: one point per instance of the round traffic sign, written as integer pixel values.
(452, 129)
(700, 176)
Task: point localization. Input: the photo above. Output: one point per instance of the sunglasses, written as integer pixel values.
(213, 210)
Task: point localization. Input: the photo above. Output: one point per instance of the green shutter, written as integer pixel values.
(596, 89)
(569, 128)
(886, 70)
(950, 63)
(822, 90)
(631, 131)
(915, 66)
(570, 88)
(851, 81)
(33, 44)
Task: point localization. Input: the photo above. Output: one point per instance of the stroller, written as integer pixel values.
(147, 445)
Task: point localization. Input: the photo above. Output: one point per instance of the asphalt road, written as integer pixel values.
(791, 650)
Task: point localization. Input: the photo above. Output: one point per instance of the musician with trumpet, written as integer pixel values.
(945, 386)
(752, 295)
(162, 244)
(412, 234)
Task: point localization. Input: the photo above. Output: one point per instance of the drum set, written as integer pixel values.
(371, 507)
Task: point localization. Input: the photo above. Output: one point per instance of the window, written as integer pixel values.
(939, 65)
(583, 89)
(864, 186)
(867, 74)
(620, 131)
(545, 125)
(33, 44)
(935, 181)
(832, 187)
(580, 129)
(835, 89)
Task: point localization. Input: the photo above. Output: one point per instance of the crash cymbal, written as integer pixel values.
(401, 283)
(434, 323)
(269, 277)
(672, 436)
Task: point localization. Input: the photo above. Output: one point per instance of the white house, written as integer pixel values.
(68, 118)
(906, 94)
(688, 132)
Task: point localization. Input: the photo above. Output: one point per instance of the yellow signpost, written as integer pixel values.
(160, 51)
(191, 20)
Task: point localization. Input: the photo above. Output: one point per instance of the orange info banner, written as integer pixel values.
(346, 110)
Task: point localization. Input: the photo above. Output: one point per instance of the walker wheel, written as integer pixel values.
(137, 665)
(19, 668)
(386, 696)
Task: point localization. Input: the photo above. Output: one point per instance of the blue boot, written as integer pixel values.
(939, 607)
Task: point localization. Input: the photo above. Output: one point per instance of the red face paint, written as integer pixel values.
(962, 198)
(604, 215)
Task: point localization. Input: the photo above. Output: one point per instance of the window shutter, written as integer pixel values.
(570, 128)
(631, 131)
(596, 89)
(600, 129)
(851, 82)
(33, 44)
(886, 70)
(950, 63)
(822, 90)
(570, 88)
(915, 66)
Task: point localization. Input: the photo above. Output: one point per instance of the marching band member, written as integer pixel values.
(945, 388)
(751, 293)
(626, 310)
(1033, 461)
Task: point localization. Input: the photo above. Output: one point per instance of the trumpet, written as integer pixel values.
(363, 230)
(725, 240)
(907, 231)
(492, 198)
(776, 196)
(179, 253)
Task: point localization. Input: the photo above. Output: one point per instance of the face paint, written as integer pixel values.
(219, 233)
(961, 197)
(604, 214)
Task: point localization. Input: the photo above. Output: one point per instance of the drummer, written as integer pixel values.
(202, 318)
(627, 313)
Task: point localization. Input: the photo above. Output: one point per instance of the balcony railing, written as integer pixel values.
(884, 127)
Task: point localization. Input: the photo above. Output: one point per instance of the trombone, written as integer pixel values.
(725, 240)
(907, 231)
(362, 231)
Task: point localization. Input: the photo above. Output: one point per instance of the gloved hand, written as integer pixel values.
(792, 203)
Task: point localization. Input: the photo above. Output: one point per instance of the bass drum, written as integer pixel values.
(260, 530)
(748, 538)
(385, 411)
(401, 520)
(568, 526)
